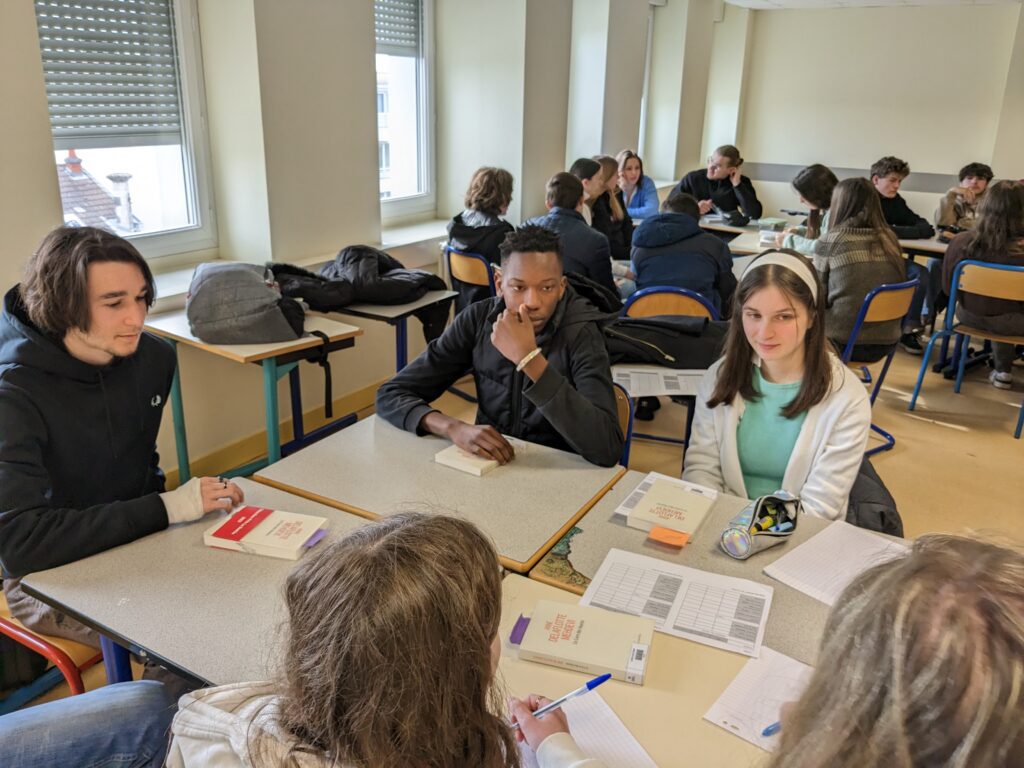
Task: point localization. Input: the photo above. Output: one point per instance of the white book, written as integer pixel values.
(262, 531)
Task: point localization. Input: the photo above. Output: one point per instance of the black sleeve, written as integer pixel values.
(726, 282)
(906, 224)
(584, 414)
(602, 266)
(748, 198)
(35, 536)
(405, 399)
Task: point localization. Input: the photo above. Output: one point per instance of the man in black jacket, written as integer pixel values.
(538, 358)
(721, 185)
(82, 389)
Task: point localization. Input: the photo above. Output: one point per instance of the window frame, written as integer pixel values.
(394, 210)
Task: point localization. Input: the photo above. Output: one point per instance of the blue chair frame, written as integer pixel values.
(624, 460)
(448, 251)
(949, 328)
(691, 400)
(865, 307)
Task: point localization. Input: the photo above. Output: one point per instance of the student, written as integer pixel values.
(920, 665)
(609, 209)
(887, 175)
(671, 249)
(638, 189)
(392, 650)
(538, 358)
(813, 185)
(82, 390)
(584, 249)
(997, 237)
(959, 207)
(721, 184)
(591, 174)
(859, 253)
(779, 410)
(480, 228)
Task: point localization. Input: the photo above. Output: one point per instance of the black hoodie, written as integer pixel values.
(78, 464)
(570, 407)
(476, 236)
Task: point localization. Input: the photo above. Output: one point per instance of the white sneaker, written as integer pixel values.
(1001, 380)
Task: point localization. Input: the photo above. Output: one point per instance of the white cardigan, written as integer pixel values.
(826, 456)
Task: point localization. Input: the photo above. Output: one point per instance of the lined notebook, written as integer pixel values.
(825, 564)
(600, 734)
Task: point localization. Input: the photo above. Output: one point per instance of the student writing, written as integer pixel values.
(813, 185)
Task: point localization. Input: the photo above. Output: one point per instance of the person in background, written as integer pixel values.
(959, 206)
(721, 184)
(887, 176)
(610, 217)
(997, 237)
(584, 249)
(383, 625)
(779, 409)
(920, 666)
(591, 174)
(813, 185)
(638, 189)
(480, 228)
(859, 253)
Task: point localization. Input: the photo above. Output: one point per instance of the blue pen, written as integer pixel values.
(781, 527)
(571, 695)
(772, 729)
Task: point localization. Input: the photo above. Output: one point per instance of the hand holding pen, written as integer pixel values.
(535, 718)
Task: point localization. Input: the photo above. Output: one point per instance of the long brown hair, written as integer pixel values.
(921, 665)
(611, 168)
(736, 375)
(856, 205)
(1000, 220)
(490, 191)
(815, 184)
(388, 660)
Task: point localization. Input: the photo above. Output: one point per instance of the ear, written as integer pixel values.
(547, 204)
(497, 278)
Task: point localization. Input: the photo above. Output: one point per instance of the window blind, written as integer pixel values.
(111, 72)
(397, 26)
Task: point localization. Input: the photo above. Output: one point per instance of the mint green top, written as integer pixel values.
(765, 438)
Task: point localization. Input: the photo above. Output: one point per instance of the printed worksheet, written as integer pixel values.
(654, 380)
(721, 611)
(599, 733)
(754, 698)
(825, 564)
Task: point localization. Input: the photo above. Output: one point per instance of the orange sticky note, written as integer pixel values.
(668, 536)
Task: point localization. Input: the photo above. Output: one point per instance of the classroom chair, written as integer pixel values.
(886, 302)
(624, 408)
(68, 657)
(472, 269)
(997, 281)
(669, 300)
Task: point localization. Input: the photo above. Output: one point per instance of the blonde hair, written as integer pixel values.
(921, 665)
(610, 166)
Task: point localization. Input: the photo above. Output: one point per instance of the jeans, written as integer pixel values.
(118, 726)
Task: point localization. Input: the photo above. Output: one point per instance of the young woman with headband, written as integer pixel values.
(779, 410)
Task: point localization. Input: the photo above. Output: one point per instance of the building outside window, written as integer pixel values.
(125, 100)
(402, 29)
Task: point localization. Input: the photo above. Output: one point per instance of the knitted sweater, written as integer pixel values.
(850, 262)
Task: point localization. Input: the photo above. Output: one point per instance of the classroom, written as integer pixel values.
(442, 192)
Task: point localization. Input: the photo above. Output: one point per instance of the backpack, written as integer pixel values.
(672, 341)
(237, 303)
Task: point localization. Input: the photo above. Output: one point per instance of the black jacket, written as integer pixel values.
(78, 464)
(571, 407)
(721, 192)
(904, 222)
(619, 233)
(585, 251)
(475, 239)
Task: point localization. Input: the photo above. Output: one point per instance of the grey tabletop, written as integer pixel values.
(374, 469)
(210, 613)
(796, 620)
(395, 311)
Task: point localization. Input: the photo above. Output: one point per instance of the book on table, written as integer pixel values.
(589, 640)
(262, 531)
(671, 503)
(464, 461)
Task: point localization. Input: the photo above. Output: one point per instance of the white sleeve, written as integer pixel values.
(702, 462)
(559, 750)
(827, 490)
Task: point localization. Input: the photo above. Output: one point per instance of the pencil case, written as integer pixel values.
(763, 523)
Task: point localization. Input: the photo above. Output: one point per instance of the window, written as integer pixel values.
(124, 98)
(402, 29)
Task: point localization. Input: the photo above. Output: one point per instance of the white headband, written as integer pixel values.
(790, 262)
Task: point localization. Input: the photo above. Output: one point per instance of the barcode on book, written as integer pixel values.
(635, 667)
(672, 384)
(636, 495)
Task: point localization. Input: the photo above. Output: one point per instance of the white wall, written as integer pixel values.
(726, 78)
(588, 59)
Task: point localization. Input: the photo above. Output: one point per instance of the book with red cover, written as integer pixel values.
(263, 531)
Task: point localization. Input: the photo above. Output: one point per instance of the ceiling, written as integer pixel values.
(773, 4)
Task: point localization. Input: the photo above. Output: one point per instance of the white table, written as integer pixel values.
(373, 469)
